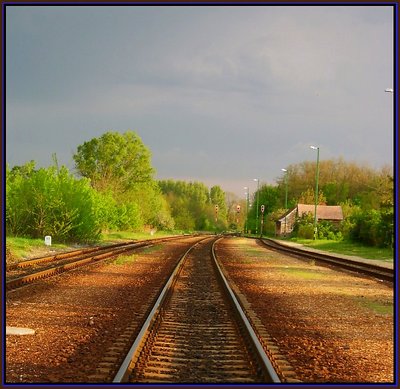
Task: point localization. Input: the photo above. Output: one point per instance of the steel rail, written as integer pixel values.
(75, 253)
(126, 366)
(109, 252)
(255, 343)
(380, 272)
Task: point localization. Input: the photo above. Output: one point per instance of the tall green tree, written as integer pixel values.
(120, 165)
(117, 161)
(339, 181)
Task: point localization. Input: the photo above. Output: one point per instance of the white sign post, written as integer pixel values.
(47, 240)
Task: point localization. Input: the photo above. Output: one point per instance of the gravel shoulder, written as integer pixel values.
(331, 326)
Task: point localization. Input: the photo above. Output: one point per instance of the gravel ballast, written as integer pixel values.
(332, 326)
(78, 315)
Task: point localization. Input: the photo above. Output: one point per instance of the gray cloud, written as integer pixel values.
(218, 93)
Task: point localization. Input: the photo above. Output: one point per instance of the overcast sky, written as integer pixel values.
(220, 94)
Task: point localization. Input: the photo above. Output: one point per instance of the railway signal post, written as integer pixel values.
(237, 213)
(262, 219)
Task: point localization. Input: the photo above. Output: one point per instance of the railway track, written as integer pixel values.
(196, 331)
(379, 272)
(26, 272)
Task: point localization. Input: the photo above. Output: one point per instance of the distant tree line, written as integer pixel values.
(365, 194)
(194, 206)
(115, 190)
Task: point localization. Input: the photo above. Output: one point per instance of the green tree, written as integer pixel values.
(217, 196)
(50, 202)
(117, 161)
(192, 205)
(339, 181)
(269, 197)
(119, 165)
(308, 197)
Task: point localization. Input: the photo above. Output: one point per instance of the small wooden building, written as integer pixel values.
(285, 224)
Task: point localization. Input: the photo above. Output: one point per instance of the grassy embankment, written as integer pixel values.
(22, 248)
(348, 248)
(344, 247)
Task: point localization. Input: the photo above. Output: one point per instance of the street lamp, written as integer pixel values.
(316, 191)
(258, 186)
(389, 90)
(286, 182)
(247, 206)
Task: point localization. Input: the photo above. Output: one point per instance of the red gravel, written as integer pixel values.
(326, 323)
(331, 326)
(79, 314)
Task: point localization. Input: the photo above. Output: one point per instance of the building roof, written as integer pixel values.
(324, 212)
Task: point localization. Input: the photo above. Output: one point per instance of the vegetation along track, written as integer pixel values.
(29, 271)
(196, 331)
(379, 272)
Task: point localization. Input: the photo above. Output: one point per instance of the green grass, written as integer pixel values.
(125, 235)
(253, 252)
(381, 308)
(23, 247)
(26, 247)
(152, 249)
(304, 274)
(124, 259)
(348, 248)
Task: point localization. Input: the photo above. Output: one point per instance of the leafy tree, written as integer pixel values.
(192, 204)
(117, 161)
(217, 196)
(236, 220)
(268, 195)
(308, 197)
(119, 164)
(339, 181)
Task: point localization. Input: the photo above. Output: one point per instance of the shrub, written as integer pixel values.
(50, 202)
(306, 231)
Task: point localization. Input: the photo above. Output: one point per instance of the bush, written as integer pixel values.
(304, 226)
(372, 227)
(306, 231)
(50, 202)
(328, 230)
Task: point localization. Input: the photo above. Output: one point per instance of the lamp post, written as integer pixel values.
(316, 191)
(286, 184)
(247, 207)
(258, 187)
